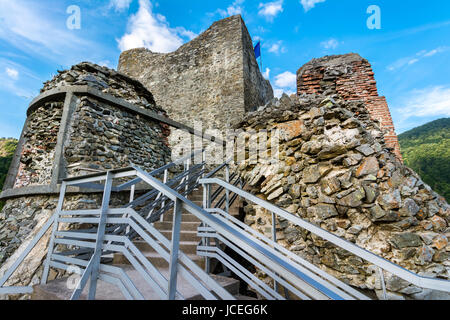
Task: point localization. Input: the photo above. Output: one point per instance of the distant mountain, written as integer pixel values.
(426, 150)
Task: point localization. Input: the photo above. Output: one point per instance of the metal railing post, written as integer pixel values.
(100, 236)
(132, 193)
(383, 283)
(274, 238)
(62, 194)
(166, 177)
(188, 163)
(174, 250)
(208, 240)
(227, 192)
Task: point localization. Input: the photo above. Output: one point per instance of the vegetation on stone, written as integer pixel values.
(7, 148)
(426, 149)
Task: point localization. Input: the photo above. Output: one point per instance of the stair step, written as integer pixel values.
(229, 284)
(58, 289)
(156, 260)
(185, 218)
(184, 235)
(188, 247)
(185, 226)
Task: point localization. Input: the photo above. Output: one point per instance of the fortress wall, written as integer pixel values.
(335, 171)
(352, 78)
(214, 78)
(87, 119)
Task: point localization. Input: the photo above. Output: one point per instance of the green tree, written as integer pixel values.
(426, 150)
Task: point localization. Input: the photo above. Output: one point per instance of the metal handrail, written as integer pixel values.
(125, 246)
(243, 241)
(420, 281)
(277, 248)
(88, 181)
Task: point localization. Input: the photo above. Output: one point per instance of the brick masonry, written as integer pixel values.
(351, 77)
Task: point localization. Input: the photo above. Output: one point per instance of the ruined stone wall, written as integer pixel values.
(352, 78)
(38, 153)
(71, 135)
(105, 137)
(214, 78)
(335, 170)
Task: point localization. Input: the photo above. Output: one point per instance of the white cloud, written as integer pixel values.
(12, 73)
(233, 9)
(309, 4)
(120, 5)
(105, 63)
(29, 28)
(330, 44)
(152, 31)
(407, 61)
(286, 80)
(266, 74)
(435, 51)
(432, 101)
(270, 9)
(277, 47)
(17, 80)
(419, 105)
(277, 92)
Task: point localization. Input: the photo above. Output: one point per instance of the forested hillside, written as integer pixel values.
(426, 150)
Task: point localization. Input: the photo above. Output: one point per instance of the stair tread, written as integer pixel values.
(58, 290)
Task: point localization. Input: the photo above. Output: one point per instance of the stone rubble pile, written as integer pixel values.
(106, 80)
(335, 171)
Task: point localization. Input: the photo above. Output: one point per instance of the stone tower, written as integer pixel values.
(352, 78)
(85, 120)
(214, 78)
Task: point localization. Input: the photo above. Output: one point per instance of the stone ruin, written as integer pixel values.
(214, 79)
(351, 77)
(339, 166)
(87, 119)
(91, 118)
(335, 170)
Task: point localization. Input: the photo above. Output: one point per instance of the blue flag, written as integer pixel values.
(258, 50)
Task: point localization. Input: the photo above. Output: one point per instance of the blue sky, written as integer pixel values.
(410, 54)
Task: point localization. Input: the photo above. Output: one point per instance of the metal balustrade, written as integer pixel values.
(114, 229)
(269, 251)
(114, 232)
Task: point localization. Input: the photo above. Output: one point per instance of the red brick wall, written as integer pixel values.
(352, 78)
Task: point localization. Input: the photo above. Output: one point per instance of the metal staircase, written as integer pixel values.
(159, 217)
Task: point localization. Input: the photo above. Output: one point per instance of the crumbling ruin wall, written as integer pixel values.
(87, 130)
(213, 79)
(352, 78)
(335, 170)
